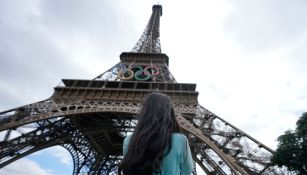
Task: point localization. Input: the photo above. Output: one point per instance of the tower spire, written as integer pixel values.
(149, 42)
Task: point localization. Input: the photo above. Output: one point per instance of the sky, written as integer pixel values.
(247, 58)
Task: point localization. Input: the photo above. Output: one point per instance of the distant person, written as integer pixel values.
(156, 146)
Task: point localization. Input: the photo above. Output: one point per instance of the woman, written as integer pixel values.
(156, 146)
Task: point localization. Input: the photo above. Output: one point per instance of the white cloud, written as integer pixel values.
(247, 59)
(62, 154)
(263, 25)
(25, 167)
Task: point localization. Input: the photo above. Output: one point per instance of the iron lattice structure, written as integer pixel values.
(90, 118)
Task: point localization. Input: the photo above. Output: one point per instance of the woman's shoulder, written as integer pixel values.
(127, 139)
(128, 136)
(179, 137)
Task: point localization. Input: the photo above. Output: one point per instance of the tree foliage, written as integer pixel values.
(292, 148)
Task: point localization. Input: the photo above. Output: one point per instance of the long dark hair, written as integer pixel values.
(152, 138)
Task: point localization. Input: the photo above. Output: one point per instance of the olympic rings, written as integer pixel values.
(138, 72)
(136, 68)
(122, 76)
(140, 76)
(119, 68)
(152, 72)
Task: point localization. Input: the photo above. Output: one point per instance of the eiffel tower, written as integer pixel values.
(90, 118)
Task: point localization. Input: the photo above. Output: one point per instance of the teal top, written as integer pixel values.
(178, 161)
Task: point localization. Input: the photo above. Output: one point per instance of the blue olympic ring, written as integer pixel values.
(119, 68)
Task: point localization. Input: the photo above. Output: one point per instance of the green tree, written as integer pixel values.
(292, 148)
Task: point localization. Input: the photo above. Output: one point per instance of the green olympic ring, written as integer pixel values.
(139, 73)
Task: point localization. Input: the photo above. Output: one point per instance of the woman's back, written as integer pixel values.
(156, 145)
(178, 161)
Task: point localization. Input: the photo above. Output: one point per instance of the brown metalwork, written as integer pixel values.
(150, 41)
(90, 118)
